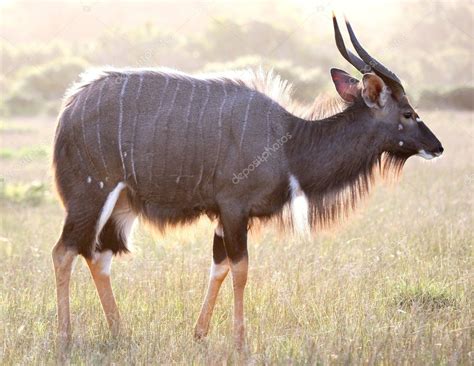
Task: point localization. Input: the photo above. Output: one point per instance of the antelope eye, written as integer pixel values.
(407, 115)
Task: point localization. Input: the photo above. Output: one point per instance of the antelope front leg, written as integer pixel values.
(239, 280)
(219, 270)
(235, 243)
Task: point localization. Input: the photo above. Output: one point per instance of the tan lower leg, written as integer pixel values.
(100, 271)
(217, 276)
(63, 260)
(239, 280)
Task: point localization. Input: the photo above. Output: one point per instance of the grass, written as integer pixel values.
(393, 285)
(425, 296)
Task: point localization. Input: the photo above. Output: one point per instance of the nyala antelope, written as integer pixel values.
(168, 147)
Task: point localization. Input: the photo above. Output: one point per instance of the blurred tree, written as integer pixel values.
(307, 82)
(226, 40)
(145, 46)
(14, 58)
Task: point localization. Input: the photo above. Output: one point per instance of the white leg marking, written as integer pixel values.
(125, 218)
(219, 230)
(108, 207)
(219, 270)
(104, 259)
(299, 206)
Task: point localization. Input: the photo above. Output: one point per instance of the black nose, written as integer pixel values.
(439, 151)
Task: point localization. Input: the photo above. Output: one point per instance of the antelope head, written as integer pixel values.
(403, 131)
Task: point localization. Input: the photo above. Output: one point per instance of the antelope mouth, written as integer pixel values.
(428, 155)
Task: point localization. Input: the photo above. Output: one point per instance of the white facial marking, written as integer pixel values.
(108, 207)
(400, 127)
(89, 180)
(418, 119)
(425, 155)
(125, 154)
(299, 206)
(219, 231)
(101, 185)
(401, 143)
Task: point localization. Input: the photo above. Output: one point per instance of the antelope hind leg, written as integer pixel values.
(218, 273)
(100, 266)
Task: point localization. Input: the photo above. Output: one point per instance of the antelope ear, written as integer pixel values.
(346, 85)
(374, 91)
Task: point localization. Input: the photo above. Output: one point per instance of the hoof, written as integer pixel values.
(115, 330)
(64, 340)
(64, 349)
(239, 345)
(199, 334)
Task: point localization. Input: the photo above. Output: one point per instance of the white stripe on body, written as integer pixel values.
(201, 114)
(99, 142)
(122, 92)
(268, 123)
(188, 116)
(155, 123)
(134, 130)
(245, 119)
(219, 126)
(167, 116)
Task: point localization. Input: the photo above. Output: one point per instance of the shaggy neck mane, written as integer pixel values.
(334, 152)
(336, 161)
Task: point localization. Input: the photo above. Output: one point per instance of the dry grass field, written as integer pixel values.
(393, 285)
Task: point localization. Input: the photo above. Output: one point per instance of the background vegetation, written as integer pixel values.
(293, 38)
(391, 286)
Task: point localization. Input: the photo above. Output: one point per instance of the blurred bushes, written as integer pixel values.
(40, 88)
(31, 194)
(226, 40)
(28, 153)
(307, 80)
(26, 55)
(459, 98)
(33, 77)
